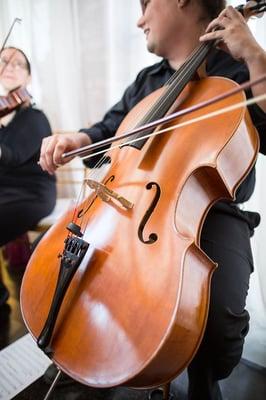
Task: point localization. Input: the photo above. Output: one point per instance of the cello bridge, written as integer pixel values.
(107, 194)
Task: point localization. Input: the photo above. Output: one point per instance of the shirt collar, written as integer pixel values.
(161, 66)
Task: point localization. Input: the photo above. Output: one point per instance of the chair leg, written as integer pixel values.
(166, 391)
(3, 261)
(162, 391)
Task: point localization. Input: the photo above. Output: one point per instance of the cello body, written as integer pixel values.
(136, 309)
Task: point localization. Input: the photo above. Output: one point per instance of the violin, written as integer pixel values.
(16, 97)
(120, 284)
(14, 100)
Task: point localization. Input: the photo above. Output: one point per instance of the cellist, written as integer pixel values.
(173, 29)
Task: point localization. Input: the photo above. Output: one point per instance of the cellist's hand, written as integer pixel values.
(54, 146)
(233, 35)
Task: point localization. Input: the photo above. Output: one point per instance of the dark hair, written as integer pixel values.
(212, 7)
(28, 66)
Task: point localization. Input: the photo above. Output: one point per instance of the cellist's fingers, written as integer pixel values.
(54, 146)
(232, 13)
(46, 161)
(224, 18)
(232, 33)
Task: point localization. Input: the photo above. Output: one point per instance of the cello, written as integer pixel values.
(134, 247)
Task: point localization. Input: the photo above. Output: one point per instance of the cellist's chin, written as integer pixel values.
(152, 49)
(150, 45)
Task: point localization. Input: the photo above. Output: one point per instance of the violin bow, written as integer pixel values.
(6, 39)
(9, 33)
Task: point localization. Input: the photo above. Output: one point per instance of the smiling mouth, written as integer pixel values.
(146, 32)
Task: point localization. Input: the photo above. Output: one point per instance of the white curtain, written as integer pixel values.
(84, 53)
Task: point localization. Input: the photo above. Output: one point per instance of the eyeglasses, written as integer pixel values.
(16, 64)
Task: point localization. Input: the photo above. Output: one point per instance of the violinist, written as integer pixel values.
(27, 193)
(173, 29)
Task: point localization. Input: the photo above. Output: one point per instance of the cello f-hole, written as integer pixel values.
(153, 236)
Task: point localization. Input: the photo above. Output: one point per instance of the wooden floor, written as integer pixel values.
(247, 382)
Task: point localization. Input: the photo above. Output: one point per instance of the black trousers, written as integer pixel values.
(226, 240)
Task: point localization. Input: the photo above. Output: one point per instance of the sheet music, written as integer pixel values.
(21, 363)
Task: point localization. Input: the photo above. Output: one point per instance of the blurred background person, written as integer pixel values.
(27, 194)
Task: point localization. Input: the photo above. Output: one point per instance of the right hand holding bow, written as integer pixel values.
(53, 147)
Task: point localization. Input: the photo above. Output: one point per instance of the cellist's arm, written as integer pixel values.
(54, 146)
(236, 38)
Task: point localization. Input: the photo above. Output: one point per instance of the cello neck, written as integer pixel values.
(173, 89)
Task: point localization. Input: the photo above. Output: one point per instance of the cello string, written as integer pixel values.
(188, 67)
(167, 85)
(180, 79)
